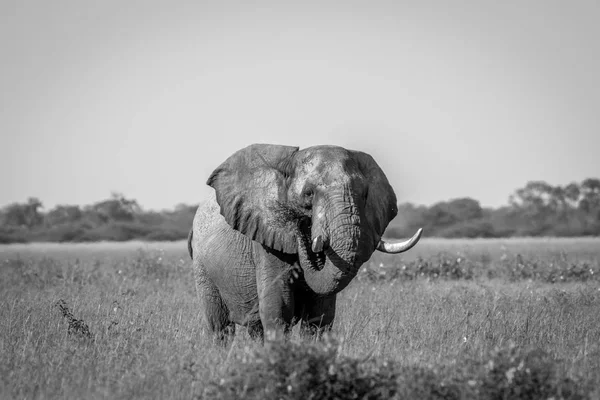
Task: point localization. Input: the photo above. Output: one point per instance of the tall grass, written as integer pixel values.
(425, 333)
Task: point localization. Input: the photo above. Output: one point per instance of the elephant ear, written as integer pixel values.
(250, 188)
(381, 204)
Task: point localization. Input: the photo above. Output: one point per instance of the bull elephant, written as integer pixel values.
(283, 232)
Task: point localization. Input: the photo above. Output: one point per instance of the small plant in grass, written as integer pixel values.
(153, 265)
(77, 327)
(450, 267)
(555, 271)
(443, 266)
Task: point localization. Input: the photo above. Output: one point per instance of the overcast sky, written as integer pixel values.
(452, 98)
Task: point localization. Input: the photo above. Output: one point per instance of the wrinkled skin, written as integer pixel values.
(284, 231)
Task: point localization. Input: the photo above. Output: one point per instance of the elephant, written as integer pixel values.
(284, 231)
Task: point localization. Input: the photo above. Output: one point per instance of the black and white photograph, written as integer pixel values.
(300, 199)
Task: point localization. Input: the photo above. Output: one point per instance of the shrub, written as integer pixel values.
(520, 267)
(116, 231)
(469, 229)
(66, 232)
(315, 371)
(303, 371)
(442, 266)
(169, 235)
(13, 235)
(517, 373)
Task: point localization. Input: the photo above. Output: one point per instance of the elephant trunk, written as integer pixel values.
(328, 247)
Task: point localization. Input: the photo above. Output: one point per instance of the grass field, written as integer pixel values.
(512, 318)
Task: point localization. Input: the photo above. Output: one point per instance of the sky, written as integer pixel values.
(146, 98)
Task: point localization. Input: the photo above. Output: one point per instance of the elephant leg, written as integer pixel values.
(318, 313)
(217, 316)
(275, 296)
(215, 309)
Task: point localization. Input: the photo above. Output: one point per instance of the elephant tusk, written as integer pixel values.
(317, 244)
(400, 247)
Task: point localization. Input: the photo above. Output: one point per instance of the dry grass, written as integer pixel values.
(145, 337)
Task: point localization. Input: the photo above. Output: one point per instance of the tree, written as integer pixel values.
(536, 203)
(443, 214)
(117, 208)
(409, 218)
(590, 195)
(589, 204)
(26, 215)
(572, 194)
(63, 214)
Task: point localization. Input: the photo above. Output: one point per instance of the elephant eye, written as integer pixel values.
(308, 194)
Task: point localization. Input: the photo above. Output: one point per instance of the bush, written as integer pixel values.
(443, 266)
(171, 235)
(303, 371)
(516, 373)
(520, 267)
(315, 371)
(116, 231)
(13, 235)
(469, 229)
(66, 232)
(512, 268)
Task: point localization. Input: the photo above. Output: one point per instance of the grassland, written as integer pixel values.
(513, 318)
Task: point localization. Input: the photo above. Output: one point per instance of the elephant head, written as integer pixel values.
(327, 204)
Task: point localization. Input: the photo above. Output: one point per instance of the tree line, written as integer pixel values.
(537, 209)
(114, 219)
